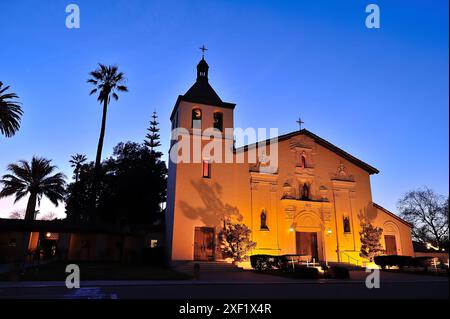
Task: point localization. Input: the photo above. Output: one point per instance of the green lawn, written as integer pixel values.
(99, 271)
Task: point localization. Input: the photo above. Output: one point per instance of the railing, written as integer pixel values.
(348, 258)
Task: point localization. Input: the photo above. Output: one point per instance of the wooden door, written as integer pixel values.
(314, 250)
(204, 243)
(391, 245)
(306, 243)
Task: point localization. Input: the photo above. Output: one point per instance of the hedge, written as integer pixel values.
(304, 272)
(268, 262)
(337, 272)
(401, 261)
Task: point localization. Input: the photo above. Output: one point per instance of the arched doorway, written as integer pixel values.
(309, 236)
(391, 238)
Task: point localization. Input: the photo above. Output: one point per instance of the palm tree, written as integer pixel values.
(76, 162)
(34, 179)
(10, 112)
(107, 81)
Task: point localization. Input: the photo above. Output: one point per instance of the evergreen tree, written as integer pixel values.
(152, 137)
(370, 240)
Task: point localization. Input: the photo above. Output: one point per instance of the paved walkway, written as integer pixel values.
(238, 285)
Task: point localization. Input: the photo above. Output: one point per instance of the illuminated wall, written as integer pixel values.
(339, 193)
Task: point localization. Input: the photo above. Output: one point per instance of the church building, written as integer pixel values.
(312, 204)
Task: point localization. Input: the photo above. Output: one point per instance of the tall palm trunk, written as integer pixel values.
(31, 207)
(98, 160)
(29, 215)
(102, 136)
(77, 174)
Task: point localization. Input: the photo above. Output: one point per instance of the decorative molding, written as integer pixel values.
(290, 211)
(342, 174)
(302, 145)
(326, 214)
(273, 187)
(263, 165)
(323, 193)
(304, 172)
(340, 185)
(261, 177)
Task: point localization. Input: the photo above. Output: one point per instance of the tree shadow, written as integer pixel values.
(368, 215)
(214, 210)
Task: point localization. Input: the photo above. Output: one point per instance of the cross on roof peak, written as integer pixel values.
(203, 49)
(300, 122)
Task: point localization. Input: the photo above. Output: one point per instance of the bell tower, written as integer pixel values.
(201, 103)
(196, 114)
(202, 70)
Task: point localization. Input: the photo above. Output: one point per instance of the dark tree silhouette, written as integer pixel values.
(34, 179)
(79, 194)
(76, 162)
(138, 183)
(10, 112)
(428, 212)
(107, 81)
(131, 186)
(152, 138)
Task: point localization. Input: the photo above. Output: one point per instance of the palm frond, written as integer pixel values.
(33, 177)
(10, 112)
(106, 80)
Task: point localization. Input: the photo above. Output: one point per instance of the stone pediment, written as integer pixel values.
(301, 143)
(342, 174)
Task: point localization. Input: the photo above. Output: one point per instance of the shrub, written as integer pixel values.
(235, 241)
(264, 262)
(337, 272)
(394, 260)
(285, 261)
(153, 256)
(370, 240)
(422, 261)
(303, 272)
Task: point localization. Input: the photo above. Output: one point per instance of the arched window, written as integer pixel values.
(197, 118)
(263, 224)
(305, 191)
(346, 224)
(303, 161)
(206, 169)
(218, 121)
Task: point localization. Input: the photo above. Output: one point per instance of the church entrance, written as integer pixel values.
(204, 243)
(391, 245)
(306, 243)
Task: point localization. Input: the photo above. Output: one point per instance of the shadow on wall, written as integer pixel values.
(214, 210)
(368, 215)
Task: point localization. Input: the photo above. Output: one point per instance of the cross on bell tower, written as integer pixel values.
(202, 67)
(203, 49)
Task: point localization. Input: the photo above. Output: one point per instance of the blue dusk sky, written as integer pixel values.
(380, 94)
